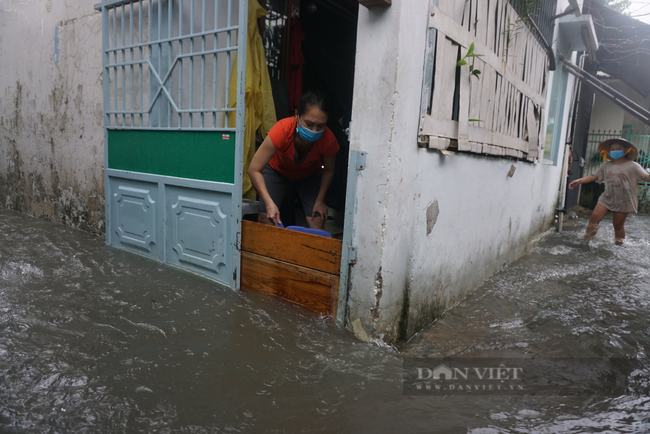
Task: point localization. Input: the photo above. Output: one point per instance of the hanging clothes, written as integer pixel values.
(260, 110)
(296, 61)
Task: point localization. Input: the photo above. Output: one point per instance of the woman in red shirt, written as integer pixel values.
(298, 151)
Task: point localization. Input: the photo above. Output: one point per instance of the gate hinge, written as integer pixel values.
(361, 160)
(352, 255)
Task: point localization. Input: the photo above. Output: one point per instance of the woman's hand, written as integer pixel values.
(320, 208)
(574, 184)
(273, 213)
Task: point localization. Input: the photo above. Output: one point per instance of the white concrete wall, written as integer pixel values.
(606, 115)
(403, 278)
(51, 136)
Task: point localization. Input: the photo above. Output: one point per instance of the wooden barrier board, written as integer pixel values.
(309, 251)
(296, 266)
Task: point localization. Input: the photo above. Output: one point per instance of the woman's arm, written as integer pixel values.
(258, 163)
(329, 165)
(585, 180)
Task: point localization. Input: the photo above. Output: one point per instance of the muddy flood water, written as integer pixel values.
(97, 340)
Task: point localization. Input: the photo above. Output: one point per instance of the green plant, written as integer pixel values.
(470, 53)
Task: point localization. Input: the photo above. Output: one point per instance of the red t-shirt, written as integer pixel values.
(284, 161)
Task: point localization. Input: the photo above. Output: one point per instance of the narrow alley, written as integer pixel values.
(96, 339)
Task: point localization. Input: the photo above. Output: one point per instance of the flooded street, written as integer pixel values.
(93, 339)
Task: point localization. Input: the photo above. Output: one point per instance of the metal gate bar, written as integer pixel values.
(130, 55)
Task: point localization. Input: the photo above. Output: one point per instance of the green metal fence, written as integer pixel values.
(593, 159)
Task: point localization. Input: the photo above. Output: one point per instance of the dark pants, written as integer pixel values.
(278, 186)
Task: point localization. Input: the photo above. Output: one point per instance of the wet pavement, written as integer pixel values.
(94, 339)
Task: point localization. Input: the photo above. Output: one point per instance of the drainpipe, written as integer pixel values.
(583, 56)
(562, 197)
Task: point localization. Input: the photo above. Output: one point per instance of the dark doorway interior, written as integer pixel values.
(328, 52)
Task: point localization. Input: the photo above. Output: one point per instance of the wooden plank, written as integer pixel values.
(481, 135)
(522, 60)
(481, 23)
(513, 49)
(540, 59)
(517, 59)
(463, 109)
(534, 69)
(497, 102)
(530, 51)
(465, 18)
(487, 96)
(506, 113)
(464, 145)
(542, 75)
(503, 106)
(443, 128)
(519, 49)
(498, 30)
(523, 112)
(438, 143)
(447, 7)
(445, 78)
(435, 128)
(448, 78)
(476, 86)
(461, 36)
(491, 25)
(459, 10)
(314, 290)
(511, 110)
(512, 118)
(523, 52)
(514, 113)
(505, 100)
(310, 251)
(475, 18)
(510, 152)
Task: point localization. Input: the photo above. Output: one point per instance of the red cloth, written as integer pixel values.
(284, 159)
(294, 76)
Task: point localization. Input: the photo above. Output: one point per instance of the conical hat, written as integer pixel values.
(607, 144)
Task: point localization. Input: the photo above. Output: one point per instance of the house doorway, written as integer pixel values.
(310, 45)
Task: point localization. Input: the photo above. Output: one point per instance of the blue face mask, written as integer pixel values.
(616, 154)
(307, 134)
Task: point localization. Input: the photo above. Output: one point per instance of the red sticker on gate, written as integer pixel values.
(225, 137)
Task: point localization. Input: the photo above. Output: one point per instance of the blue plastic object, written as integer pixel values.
(307, 230)
(320, 232)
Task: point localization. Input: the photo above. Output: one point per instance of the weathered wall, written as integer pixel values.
(479, 219)
(51, 136)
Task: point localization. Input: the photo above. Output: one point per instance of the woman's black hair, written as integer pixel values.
(312, 99)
